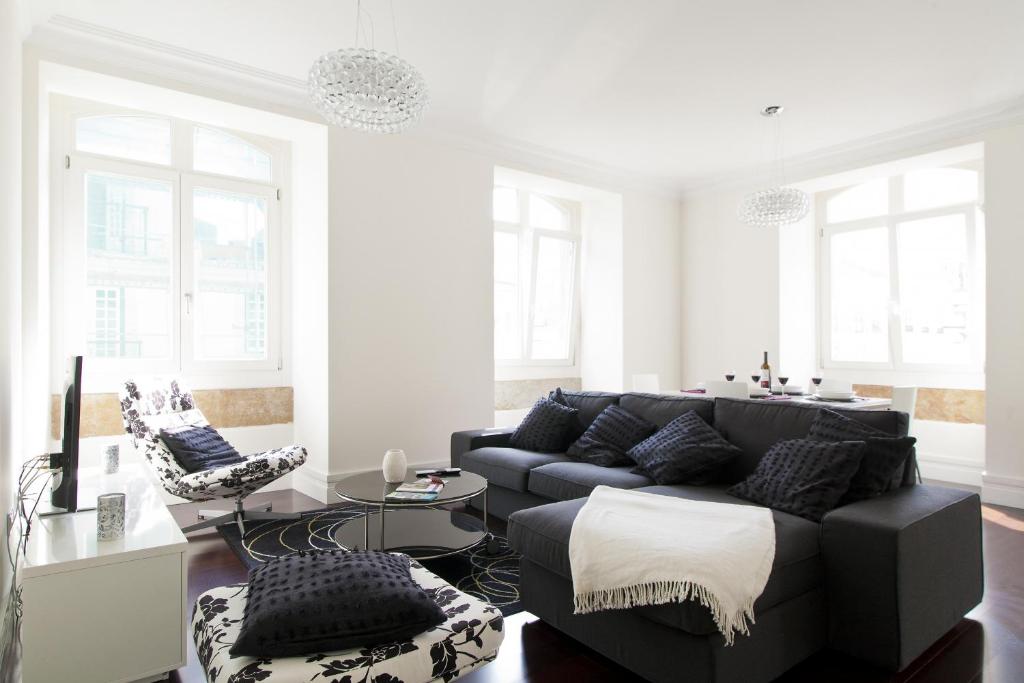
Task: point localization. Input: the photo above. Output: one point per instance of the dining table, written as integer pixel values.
(856, 403)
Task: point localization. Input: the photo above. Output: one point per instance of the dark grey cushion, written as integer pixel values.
(685, 451)
(609, 438)
(199, 448)
(569, 480)
(803, 477)
(756, 425)
(589, 403)
(330, 600)
(541, 535)
(885, 456)
(507, 467)
(661, 409)
(546, 428)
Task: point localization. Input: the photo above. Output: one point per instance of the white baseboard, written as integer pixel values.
(952, 470)
(999, 490)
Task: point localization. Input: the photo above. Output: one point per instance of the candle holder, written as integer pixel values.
(110, 516)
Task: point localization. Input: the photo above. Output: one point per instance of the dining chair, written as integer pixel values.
(904, 399)
(715, 388)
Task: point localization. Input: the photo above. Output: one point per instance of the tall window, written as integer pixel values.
(170, 245)
(536, 278)
(902, 271)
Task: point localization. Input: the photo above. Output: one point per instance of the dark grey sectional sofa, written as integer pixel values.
(880, 579)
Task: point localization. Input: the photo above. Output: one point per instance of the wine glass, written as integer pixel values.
(816, 381)
(782, 382)
(730, 376)
(755, 377)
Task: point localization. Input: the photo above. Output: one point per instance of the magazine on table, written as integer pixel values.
(421, 486)
(410, 497)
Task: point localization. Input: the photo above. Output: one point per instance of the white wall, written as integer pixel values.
(1004, 225)
(730, 290)
(652, 297)
(411, 310)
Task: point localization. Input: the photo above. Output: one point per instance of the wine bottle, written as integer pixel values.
(766, 373)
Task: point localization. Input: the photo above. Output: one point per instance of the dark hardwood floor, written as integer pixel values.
(986, 646)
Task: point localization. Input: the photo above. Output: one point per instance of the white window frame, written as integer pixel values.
(890, 220)
(529, 246)
(68, 251)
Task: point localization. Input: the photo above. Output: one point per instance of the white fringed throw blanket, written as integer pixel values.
(629, 548)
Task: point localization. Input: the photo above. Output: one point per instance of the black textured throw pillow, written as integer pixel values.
(685, 451)
(199, 448)
(546, 428)
(577, 428)
(610, 436)
(328, 600)
(802, 477)
(885, 456)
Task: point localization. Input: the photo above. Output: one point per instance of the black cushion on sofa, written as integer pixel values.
(885, 456)
(609, 438)
(589, 403)
(756, 426)
(546, 428)
(803, 477)
(199, 448)
(685, 451)
(328, 600)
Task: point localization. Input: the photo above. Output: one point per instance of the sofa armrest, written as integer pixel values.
(478, 438)
(900, 571)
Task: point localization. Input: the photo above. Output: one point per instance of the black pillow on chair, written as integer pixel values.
(546, 428)
(885, 456)
(329, 600)
(802, 477)
(199, 448)
(610, 436)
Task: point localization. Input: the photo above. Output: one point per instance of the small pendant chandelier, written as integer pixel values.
(776, 205)
(366, 89)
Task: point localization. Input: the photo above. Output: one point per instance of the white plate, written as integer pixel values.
(758, 391)
(837, 395)
(794, 389)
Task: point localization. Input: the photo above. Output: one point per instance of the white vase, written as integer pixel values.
(395, 466)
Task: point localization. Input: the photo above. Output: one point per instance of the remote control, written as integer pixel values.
(441, 472)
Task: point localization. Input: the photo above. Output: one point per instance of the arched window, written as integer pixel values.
(224, 154)
(140, 138)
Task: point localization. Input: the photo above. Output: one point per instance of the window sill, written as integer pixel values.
(936, 379)
(111, 382)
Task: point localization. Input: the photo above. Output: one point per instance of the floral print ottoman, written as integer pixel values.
(466, 640)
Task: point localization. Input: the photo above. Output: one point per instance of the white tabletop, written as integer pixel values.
(68, 541)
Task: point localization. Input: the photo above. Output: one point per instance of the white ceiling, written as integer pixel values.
(665, 89)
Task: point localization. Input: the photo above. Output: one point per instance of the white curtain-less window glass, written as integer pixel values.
(934, 187)
(231, 275)
(860, 201)
(141, 138)
(935, 299)
(859, 295)
(547, 215)
(553, 298)
(129, 256)
(507, 306)
(224, 154)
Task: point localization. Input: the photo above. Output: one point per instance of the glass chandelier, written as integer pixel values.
(367, 89)
(776, 205)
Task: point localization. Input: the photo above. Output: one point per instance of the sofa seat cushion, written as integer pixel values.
(541, 535)
(507, 467)
(570, 480)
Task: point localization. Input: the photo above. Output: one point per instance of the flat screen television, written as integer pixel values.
(65, 487)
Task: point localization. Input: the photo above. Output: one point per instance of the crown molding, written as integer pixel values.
(873, 149)
(75, 41)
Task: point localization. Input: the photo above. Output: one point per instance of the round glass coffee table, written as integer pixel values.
(422, 530)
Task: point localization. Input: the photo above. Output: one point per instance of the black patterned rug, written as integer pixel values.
(493, 577)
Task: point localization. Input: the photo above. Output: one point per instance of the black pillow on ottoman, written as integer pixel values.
(685, 451)
(328, 600)
(610, 436)
(199, 448)
(802, 477)
(545, 428)
(885, 456)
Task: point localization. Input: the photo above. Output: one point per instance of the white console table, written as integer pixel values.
(110, 611)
